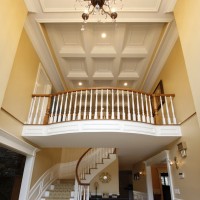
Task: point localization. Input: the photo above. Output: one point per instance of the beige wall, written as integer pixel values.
(71, 154)
(20, 86)
(113, 186)
(140, 184)
(175, 80)
(45, 159)
(187, 18)
(189, 186)
(12, 17)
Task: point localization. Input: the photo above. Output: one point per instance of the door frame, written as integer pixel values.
(159, 158)
(13, 143)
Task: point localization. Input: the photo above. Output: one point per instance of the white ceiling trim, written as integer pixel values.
(47, 9)
(163, 53)
(37, 38)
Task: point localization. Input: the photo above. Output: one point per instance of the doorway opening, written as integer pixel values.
(160, 182)
(159, 178)
(11, 173)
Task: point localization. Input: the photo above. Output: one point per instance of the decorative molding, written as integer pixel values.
(101, 126)
(160, 59)
(58, 171)
(46, 9)
(159, 158)
(43, 182)
(15, 143)
(34, 32)
(171, 5)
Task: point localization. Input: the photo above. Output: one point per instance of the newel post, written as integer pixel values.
(155, 108)
(46, 117)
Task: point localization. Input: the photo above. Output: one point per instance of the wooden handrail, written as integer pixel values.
(78, 163)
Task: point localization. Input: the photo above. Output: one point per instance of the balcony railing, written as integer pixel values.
(102, 104)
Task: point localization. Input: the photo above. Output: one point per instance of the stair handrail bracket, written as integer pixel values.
(102, 104)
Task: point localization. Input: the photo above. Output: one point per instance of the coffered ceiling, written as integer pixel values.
(132, 51)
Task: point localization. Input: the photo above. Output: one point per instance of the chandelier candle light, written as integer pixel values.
(100, 7)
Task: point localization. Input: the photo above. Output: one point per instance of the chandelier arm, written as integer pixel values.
(106, 12)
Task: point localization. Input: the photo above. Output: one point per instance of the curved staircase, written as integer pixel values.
(93, 161)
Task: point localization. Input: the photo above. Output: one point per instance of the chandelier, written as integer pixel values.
(100, 7)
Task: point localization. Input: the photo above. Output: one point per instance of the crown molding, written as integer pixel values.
(12, 142)
(36, 36)
(161, 58)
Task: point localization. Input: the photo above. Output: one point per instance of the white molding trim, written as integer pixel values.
(106, 126)
(45, 9)
(160, 59)
(58, 171)
(163, 156)
(36, 36)
(24, 148)
(43, 182)
(16, 144)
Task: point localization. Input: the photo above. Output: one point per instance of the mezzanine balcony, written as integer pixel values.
(99, 111)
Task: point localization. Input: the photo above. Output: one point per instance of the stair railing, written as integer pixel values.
(102, 104)
(88, 161)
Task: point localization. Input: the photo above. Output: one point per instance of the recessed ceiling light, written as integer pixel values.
(80, 83)
(125, 84)
(103, 35)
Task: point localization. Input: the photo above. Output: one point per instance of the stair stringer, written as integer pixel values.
(100, 167)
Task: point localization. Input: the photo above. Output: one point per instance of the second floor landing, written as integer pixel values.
(105, 117)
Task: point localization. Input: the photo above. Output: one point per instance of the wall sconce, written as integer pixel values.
(182, 149)
(137, 175)
(175, 162)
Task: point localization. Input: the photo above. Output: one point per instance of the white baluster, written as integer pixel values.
(56, 112)
(133, 107)
(101, 114)
(90, 114)
(70, 107)
(167, 109)
(147, 109)
(96, 105)
(88, 193)
(138, 109)
(74, 115)
(85, 110)
(163, 117)
(80, 105)
(123, 110)
(113, 112)
(142, 102)
(65, 108)
(41, 118)
(118, 112)
(37, 109)
(60, 113)
(31, 110)
(128, 102)
(173, 114)
(107, 113)
(52, 110)
(151, 113)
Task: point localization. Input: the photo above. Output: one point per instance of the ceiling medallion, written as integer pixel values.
(105, 177)
(100, 7)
